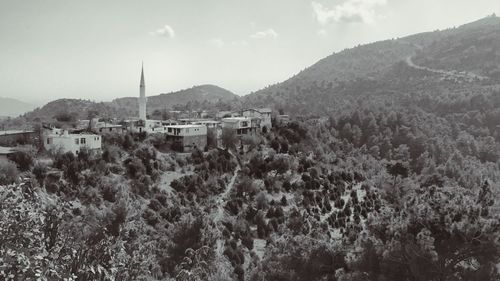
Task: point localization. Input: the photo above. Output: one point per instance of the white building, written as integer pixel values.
(62, 140)
(103, 128)
(264, 114)
(147, 126)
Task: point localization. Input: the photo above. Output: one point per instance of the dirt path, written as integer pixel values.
(221, 202)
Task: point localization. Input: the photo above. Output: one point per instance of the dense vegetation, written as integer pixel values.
(394, 177)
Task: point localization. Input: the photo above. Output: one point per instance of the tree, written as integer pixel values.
(211, 138)
(442, 234)
(8, 172)
(397, 169)
(229, 138)
(23, 160)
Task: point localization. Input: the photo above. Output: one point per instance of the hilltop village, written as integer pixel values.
(186, 132)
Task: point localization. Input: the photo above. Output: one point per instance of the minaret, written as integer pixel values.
(142, 97)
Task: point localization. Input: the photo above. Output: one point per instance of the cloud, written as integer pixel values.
(322, 32)
(217, 42)
(165, 31)
(348, 11)
(268, 33)
(239, 43)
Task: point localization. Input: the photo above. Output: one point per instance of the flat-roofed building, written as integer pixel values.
(5, 152)
(14, 137)
(263, 113)
(283, 119)
(62, 140)
(106, 128)
(187, 137)
(145, 126)
(211, 124)
(242, 125)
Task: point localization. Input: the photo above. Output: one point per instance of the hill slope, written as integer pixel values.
(193, 98)
(448, 55)
(198, 97)
(12, 107)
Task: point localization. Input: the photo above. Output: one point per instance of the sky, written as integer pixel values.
(93, 49)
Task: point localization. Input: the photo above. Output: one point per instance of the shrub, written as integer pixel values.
(23, 160)
(40, 172)
(8, 172)
(135, 168)
(150, 217)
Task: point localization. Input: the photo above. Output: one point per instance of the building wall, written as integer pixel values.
(109, 130)
(72, 142)
(18, 138)
(188, 143)
(200, 130)
(264, 116)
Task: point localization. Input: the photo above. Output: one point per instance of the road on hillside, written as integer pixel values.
(454, 74)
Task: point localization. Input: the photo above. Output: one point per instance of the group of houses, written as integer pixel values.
(185, 134)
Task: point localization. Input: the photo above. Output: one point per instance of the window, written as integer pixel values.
(77, 141)
(110, 129)
(48, 140)
(82, 140)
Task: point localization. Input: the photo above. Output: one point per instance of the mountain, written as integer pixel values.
(197, 97)
(438, 60)
(73, 109)
(11, 107)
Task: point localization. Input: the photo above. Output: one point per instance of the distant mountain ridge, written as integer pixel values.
(198, 94)
(193, 98)
(10, 107)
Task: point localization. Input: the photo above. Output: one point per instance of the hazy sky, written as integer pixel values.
(93, 48)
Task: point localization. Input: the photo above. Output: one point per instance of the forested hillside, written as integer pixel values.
(374, 70)
(389, 170)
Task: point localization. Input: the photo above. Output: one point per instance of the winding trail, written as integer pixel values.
(221, 200)
(464, 75)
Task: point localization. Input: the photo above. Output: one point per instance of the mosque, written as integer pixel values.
(143, 124)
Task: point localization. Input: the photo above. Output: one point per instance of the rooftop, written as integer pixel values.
(14, 132)
(235, 119)
(207, 122)
(6, 150)
(185, 126)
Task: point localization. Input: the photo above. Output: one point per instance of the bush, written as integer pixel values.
(23, 160)
(40, 172)
(135, 168)
(8, 172)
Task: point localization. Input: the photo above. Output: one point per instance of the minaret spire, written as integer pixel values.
(142, 75)
(142, 96)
